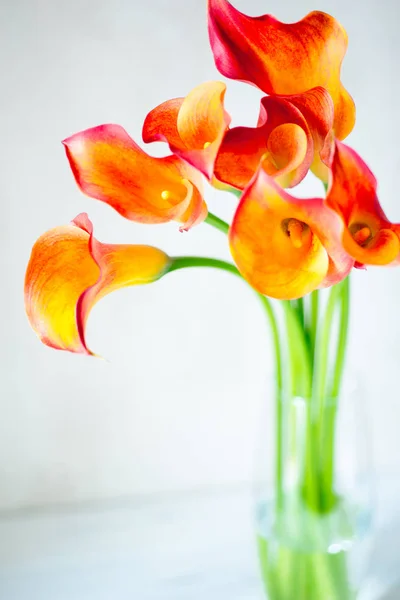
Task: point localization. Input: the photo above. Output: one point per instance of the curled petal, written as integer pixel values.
(69, 271)
(282, 58)
(286, 247)
(317, 108)
(240, 154)
(286, 154)
(161, 124)
(196, 211)
(109, 166)
(193, 126)
(282, 141)
(368, 236)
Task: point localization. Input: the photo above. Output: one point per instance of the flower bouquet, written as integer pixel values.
(288, 249)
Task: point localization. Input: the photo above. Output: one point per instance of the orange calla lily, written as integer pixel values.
(282, 58)
(109, 166)
(284, 246)
(288, 139)
(69, 271)
(193, 126)
(369, 237)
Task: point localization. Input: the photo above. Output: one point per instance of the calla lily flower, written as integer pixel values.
(283, 246)
(193, 126)
(109, 166)
(368, 236)
(281, 58)
(288, 139)
(69, 271)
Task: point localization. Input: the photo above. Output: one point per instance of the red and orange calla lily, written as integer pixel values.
(368, 236)
(283, 58)
(193, 126)
(109, 166)
(284, 246)
(289, 137)
(69, 271)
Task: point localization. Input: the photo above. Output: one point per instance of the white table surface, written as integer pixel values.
(187, 547)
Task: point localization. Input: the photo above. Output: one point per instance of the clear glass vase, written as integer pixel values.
(314, 497)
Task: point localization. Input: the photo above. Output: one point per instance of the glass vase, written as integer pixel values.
(314, 497)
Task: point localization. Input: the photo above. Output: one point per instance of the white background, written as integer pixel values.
(176, 405)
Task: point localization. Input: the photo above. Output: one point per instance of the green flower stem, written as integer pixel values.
(300, 309)
(183, 262)
(343, 336)
(301, 375)
(300, 378)
(314, 319)
(216, 222)
(322, 348)
(330, 412)
(279, 399)
(323, 409)
(316, 409)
